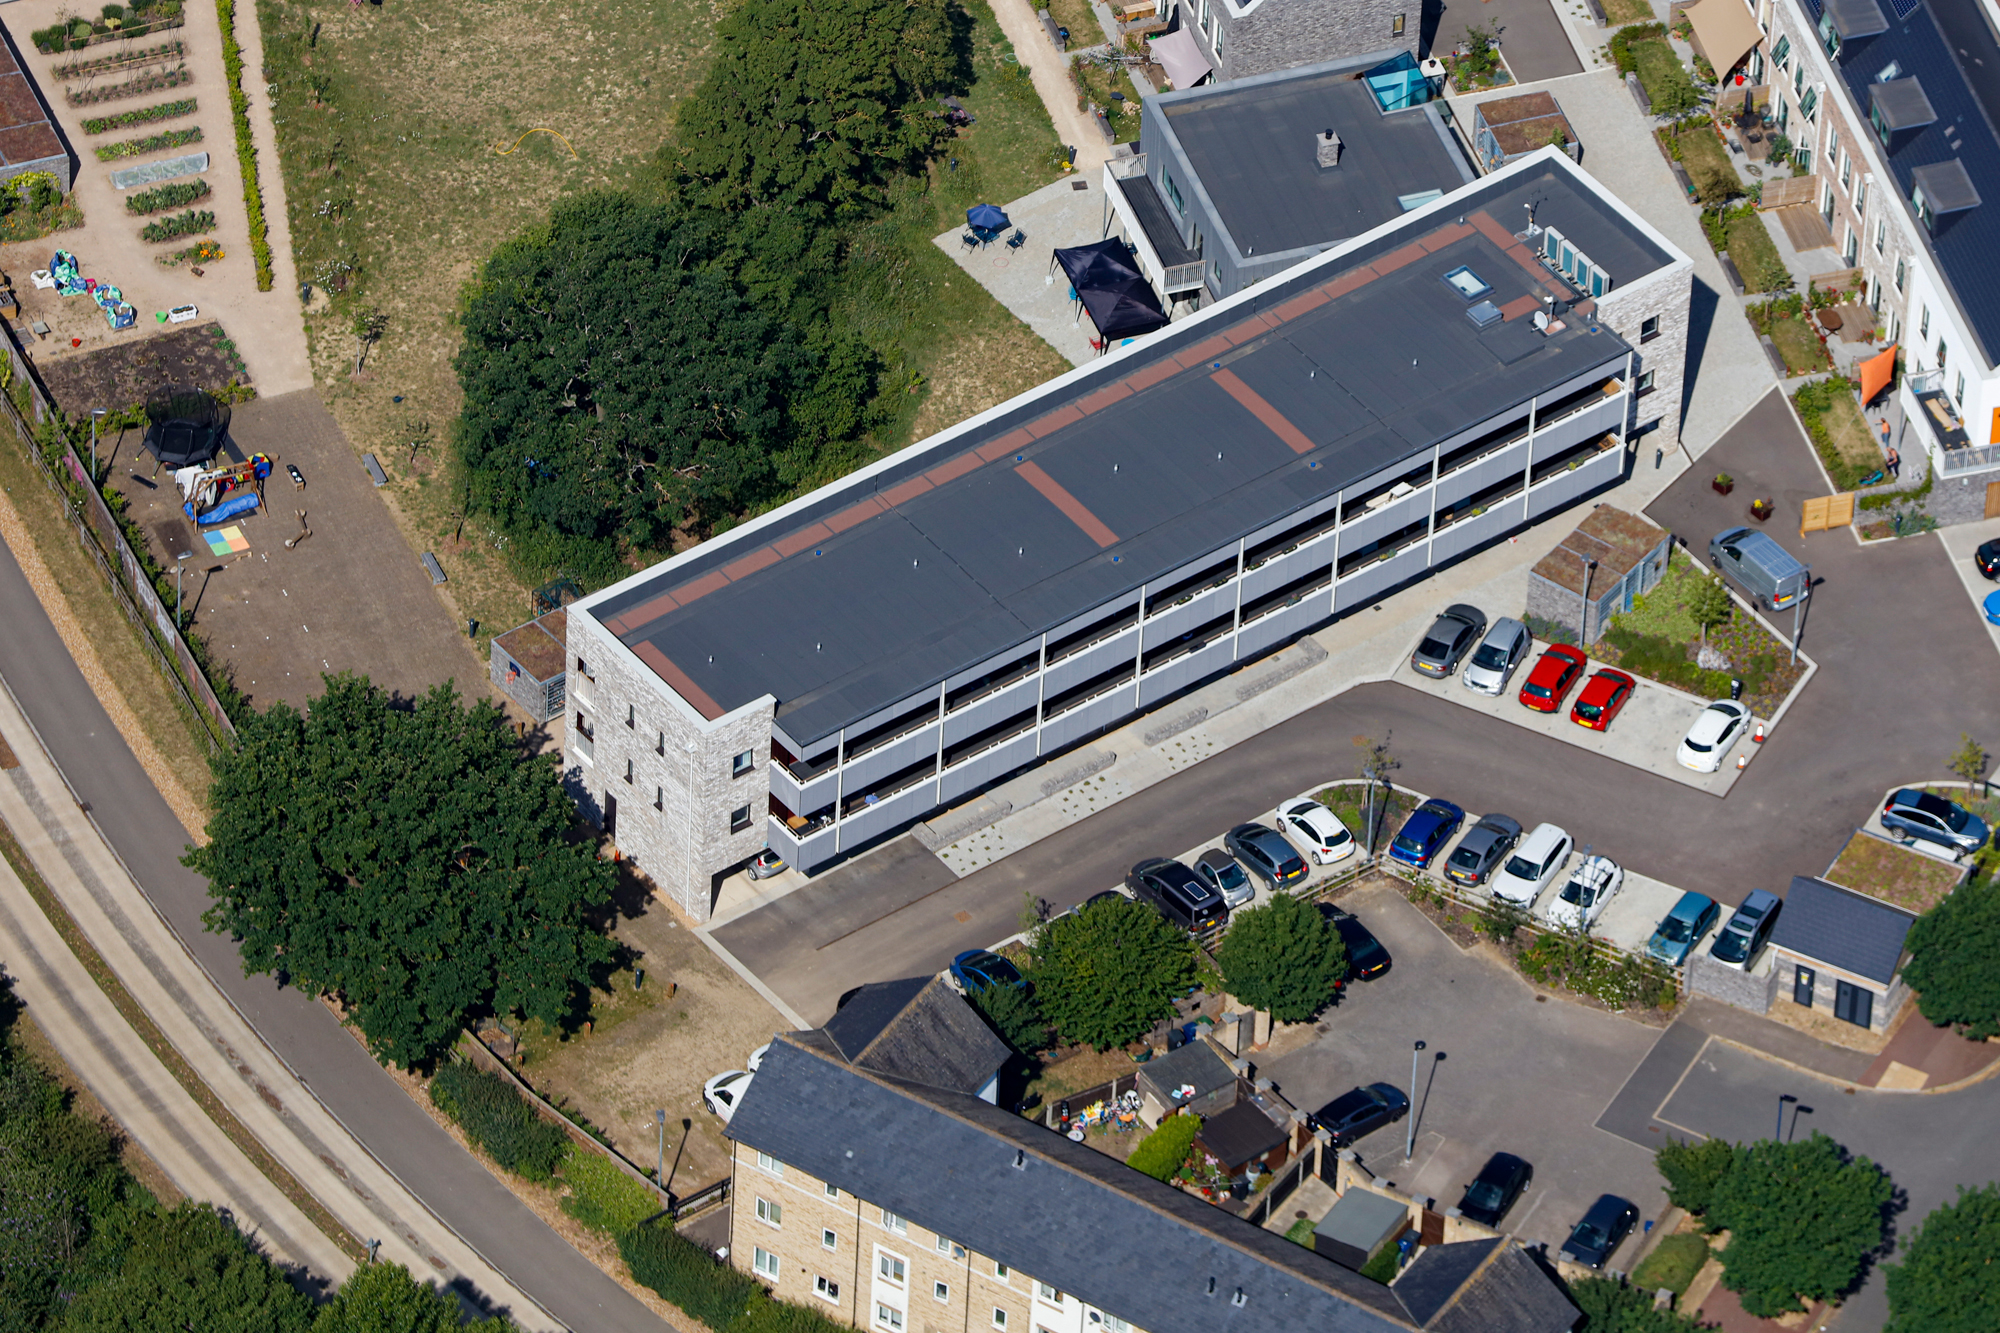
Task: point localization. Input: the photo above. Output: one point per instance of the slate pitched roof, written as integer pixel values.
(919, 1030)
(1841, 929)
(1437, 1273)
(1509, 1292)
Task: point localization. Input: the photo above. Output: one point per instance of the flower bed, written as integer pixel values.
(177, 226)
(152, 55)
(1699, 150)
(116, 23)
(151, 143)
(163, 197)
(1659, 639)
(207, 251)
(146, 83)
(1838, 431)
(1784, 321)
(140, 116)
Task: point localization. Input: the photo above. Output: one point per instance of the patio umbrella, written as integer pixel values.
(987, 216)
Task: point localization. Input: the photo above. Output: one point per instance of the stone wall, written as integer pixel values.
(1283, 34)
(1625, 310)
(1745, 990)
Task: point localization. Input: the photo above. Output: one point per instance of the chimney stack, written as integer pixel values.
(1326, 149)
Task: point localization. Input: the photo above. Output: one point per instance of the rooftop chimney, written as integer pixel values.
(1326, 149)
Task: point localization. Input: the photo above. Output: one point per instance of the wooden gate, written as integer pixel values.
(1993, 499)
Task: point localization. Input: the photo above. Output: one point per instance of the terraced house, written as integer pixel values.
(895, 642)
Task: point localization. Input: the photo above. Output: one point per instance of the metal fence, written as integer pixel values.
(98, 532)
(1974, 459)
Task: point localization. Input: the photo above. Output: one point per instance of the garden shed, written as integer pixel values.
(1241, 1135)
(29, 140)
(1842, 952)
(1510, 127)
(1355, 1229)
(1194, 1076)
(1609, 559)
(527, 662)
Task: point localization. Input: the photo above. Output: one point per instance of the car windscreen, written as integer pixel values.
(1732, 945)
(1958, 818)
(1675, 930)
(1586, 1237)
(1522, 868)
(1483, 1194)
(1491, 656)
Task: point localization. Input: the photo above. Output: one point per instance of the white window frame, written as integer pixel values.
(832, 1190)
(826, 1289)
(768, 1163)
(766, 1264)
(941, 1292)
(889, 1317)
(884, 1259)
(770, 1214)
(1000, 1319)
(828, 1239)
(1881, 235)
(1002, 1273)
(1048, 1295)
(891, 1222)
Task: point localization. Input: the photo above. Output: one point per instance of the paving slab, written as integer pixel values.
(1959, 542)
(1026, 281)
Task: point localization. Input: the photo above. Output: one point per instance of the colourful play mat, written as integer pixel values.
(227, 541)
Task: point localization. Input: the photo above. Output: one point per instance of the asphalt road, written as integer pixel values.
(144, 832)
(1904, 665)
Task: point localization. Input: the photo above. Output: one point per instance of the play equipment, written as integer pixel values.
(234, 507)
(67, 273)
(209, 494)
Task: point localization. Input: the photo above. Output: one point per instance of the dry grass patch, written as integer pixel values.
(1896, 875)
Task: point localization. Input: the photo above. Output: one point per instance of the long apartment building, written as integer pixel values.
(1894, 104)
(895, 642)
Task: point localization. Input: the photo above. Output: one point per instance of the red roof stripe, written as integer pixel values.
(679, 681)
(1230, 383)
(1072, 508)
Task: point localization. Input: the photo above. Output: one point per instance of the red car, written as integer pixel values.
(1556, 671)
(1603, 695)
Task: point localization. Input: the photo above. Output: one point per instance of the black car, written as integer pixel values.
(1266, 852)
(1352, 1115)
(1493, 1191)
(1450, 638)
(1607, 1223)
(1366, 958)
(1483, 847)
(1987, 557)
(1178, 894)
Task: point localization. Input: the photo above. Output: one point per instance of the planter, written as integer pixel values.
(1761, 510)
(1722, 487)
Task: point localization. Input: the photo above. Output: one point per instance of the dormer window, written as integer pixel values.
(1939, 190)
(1828, 36)
(1896, 106)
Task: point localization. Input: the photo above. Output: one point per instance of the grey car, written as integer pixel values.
(1483, 847)
(1737, 943)
(1449, 638)
(1493, 663)
(1226, 876)
(1912, 813)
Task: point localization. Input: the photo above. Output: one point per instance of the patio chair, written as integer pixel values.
(968, 241)
(1017, 240)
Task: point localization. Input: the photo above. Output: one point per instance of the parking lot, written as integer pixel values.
(1490, 1037)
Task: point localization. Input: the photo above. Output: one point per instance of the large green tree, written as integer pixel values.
(1284, 957)
(1693, 1171)
(409, 859)
(1613, 1307)
(384, 1298)
(1954, 964)
(1801, 1218)
(191, 1269)
(1106, 974)
(635, 367)
(1949, 1278)
(818, 102)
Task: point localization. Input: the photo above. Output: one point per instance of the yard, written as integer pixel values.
(1643, 50)
(1618, 13)
(1839, 432)
(1784, 321)
(1755, 254)
(1903, 878)
(1702, 155)
(413, 142)
(1659, 638)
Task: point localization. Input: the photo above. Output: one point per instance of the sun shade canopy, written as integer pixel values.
(1181, 58)
(1727, 31)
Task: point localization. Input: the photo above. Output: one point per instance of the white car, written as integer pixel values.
(1316, 829)
(1582, 900)
(724, 1093)
(1708, 741)
(1536, 861)
(757, 1057)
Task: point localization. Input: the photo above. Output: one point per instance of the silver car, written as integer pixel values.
(1505, 646)
(1226, 876)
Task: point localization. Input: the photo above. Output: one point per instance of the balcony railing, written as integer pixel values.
(1937, 412)
(1182, 277)
(1971, 459)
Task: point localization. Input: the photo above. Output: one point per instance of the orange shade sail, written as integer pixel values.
(1877, 372)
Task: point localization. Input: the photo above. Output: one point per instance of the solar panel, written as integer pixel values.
(1903, 8)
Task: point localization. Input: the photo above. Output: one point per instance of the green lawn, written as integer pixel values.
(1672, 1264)
(1851, 436)
(1799, 345)
(1618, 13)
(1707, 164)
(1756, 256)
(1660, 72)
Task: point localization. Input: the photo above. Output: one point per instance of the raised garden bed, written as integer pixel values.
(1784, 320)
(122, 26)
(145, 83)
(178, 225)
(1642, 49)
(152, 55)
(1896, 875)
(140, 116)
(151, 143)
(162, 197)
(1754, 253)
(1658, 639)
(1702, 155)
(193, 356)
(206, 251)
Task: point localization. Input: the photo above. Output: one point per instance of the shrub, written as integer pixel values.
(180, 224)
(1383, 1266)
(1672, 1264)
(246, 152)
(685, 1274)
(493, 1115)
(1666, 661)
(1621, 44)
(151, 143)
(144, 83)
(603, 1197)
(1500, 919)
(1014, 1017)
(140, 116)
(163, 197)
(1161, 1152)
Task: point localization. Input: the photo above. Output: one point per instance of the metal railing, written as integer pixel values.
(1182, 277)
(1975, 459)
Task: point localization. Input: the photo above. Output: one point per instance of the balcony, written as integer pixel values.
(1936, 411)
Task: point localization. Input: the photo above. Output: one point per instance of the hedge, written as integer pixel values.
(140, 116)
(493, 1115)
(179, 225)
(1161, 1152)
(246, 151)
(151, 143)
(1621, 44)
(162, 197)
(603, 1197)
(721, 1297)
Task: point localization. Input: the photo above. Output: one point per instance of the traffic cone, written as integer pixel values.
(1759, 736)
(1742, 762)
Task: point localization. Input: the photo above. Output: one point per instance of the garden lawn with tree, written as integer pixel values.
(1802, 1218)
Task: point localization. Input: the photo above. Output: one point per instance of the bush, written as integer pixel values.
(164, 197)
(1014, 1016)
(1672, 1264)
(1161, 1152)
(603, 1197)
(1612, 1307)
(1383, 1266)
(1665, 661)
(688, 1276)
(144, 83)
(180, 224)
(1621, 44)
(493, 1115)
(1500, 919)
(140, 116)
(151, 143)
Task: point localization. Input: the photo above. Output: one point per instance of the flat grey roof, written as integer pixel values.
(1152, 214)
(882, 586)
(1252, 149)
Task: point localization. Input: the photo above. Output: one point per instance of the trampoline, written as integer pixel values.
(184, 429)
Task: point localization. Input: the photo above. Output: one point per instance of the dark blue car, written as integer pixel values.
(1425, 833)
(976, 969)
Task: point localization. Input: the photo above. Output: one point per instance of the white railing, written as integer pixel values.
(1951, 462)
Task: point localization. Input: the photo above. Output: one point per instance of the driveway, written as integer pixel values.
(1487, 1038)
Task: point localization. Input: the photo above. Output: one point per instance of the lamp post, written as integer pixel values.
(1410, 1131)
(1784, 1099)
(180, 563)
(1583, 605)
(660, 1160)
(95, 413)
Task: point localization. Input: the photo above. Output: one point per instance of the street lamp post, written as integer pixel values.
(1583, 605)
(1784, 1099)
(1410, 1131)
(95, 413)
(180, 563)
(660, 1160)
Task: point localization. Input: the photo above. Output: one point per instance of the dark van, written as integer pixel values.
(1765, 572)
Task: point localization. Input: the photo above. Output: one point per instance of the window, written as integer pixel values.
(889, 1317)
(1861, 201)
(892, 1269)
(1396, 26)
(1880, 122)
(765, 1263)
(940, 1291)
(659, 798)
(1781, 54)
(833, 1191)
(742, 763)
(584, 670)
(1881, 234)
(1048, 1293)
(766, 1162)
(1180, 206)
(1924, 319)
(631, 715)
(1846, 171)
(1850, 247)
(1799, 80)
(660, 745)
(1204, 17)
(1649, 328)
(950, 1247)
(1958, 394)
(895, 1223)
(1000, 1270)
(769, 1213)
(1644, 384)
(1829, 36)
(1218, 42)
(826, 1289)
(1899, 275)
(1000, 1319)
(1832, 146)
(628, 770)
(1875, 294)
(828, 1240)
(1926, 214)
(1940, 355)
(739, 819)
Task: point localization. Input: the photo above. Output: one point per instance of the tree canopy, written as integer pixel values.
(1954, 964)
(1284, 956)
(1801, 1217)
(1106, 974)
(819, 103)
(1693, 1170)
(635, 367)
(384, 1298)
(410, 860)
(1613, 1307)
(1014, 1017)
(1949, 1278)
(191, 1269)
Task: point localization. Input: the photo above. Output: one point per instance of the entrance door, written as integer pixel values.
(610, 815)
(1853, 1004)
(1802, 987)
(1993, 499)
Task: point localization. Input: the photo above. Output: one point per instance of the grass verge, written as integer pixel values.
(130, 1010)
(1838, 431)
(1756, 255)
(1672, 1264)
(1705, 160)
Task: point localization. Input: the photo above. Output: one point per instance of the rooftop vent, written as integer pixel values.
(1484, 315)
(1020, 1159)
(1239, 1300)
(1326, 148)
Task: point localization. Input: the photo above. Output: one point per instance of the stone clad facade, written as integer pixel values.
(1260, 36)
(1663, 299)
